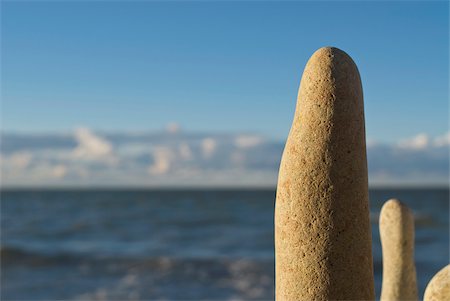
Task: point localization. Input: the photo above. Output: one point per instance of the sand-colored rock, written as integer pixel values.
(397, 241)
(438, 289)
(323, 247)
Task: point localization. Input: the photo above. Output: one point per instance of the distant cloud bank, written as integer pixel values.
(177, 158)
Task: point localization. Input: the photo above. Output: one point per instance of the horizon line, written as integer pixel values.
(436, 186)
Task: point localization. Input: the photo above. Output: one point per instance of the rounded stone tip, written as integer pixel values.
(394, 204)
(332, 56)
(331, 79)
(394, 208)
(330, 51)
(396, 214)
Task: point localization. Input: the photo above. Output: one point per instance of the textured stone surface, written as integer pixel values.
(323, 247)
(439, 287)
(397, 241)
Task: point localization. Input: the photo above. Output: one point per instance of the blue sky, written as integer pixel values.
(221, 67)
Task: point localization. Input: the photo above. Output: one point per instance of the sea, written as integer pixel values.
(214, 244)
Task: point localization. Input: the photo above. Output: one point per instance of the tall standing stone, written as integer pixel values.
(397, 241)
(322, 228)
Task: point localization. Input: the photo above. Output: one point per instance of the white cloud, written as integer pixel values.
(161, 158)
(247, 141)
(59, 171)
(209, 146)
(20, 159)
(173, 128)
(443, 140)
(90, 145)
(185, 151)
(419, 142)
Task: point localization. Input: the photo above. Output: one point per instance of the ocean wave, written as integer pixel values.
(18, 255)
(148, 278)
(13, 255)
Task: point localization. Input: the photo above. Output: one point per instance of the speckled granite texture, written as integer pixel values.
(322, 229)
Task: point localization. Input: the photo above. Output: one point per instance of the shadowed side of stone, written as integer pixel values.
(397, 240)
(439, 287)
(322, 229)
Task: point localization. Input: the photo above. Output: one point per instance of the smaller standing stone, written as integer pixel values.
(397, 240)
(439, 287)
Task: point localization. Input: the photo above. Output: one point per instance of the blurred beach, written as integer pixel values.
(171, 244)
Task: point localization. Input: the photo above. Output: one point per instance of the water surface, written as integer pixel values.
(155, 244)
